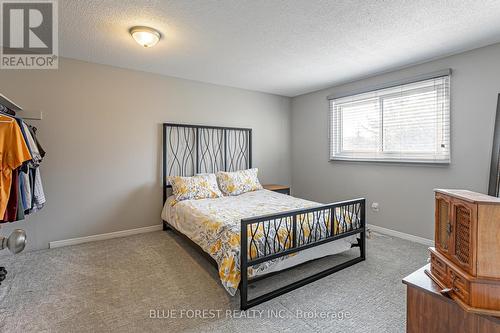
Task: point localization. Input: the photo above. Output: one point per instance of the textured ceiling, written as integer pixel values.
(287, 47)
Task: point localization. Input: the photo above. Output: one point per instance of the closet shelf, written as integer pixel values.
(26, 114)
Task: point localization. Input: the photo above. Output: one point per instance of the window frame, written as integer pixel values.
(381, 155)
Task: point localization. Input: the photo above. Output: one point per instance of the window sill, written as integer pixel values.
(389, 161)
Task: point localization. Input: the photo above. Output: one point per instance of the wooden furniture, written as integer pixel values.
(465, 262)
(427, 310)
(277, 188)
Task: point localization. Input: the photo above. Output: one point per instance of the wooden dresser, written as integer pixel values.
(465, 261)
(427, 311)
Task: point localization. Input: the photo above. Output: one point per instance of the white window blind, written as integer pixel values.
(404, 123)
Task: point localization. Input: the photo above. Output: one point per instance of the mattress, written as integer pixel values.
(214, 225)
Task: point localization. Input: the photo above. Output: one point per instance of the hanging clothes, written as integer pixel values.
(26, 189)
(32, 179)
(13, 152)
(20, 123)
(20, 209)
(33, 130)
(36, 157)
(38, 195)
(22, 199)
(21, 189)
(13, 203)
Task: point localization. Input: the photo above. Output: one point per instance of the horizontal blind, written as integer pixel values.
(404, 123)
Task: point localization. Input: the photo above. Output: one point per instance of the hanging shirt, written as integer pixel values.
(22, 189)
(26, 191)
(38, 194)
(33, 130)
(13, 152)
(36, 158)
(19, 121)
(35, 191)
(13, 203)
(20, 205)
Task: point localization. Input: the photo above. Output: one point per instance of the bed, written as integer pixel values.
(256, 234)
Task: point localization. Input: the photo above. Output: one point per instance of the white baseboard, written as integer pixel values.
(399, 234)
(93, 238)
(129, 232)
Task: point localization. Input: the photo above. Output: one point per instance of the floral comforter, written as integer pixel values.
(214, 224)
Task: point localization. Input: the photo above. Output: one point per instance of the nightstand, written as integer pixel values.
(277, 188)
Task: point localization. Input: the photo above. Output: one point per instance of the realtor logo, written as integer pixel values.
(29, 35)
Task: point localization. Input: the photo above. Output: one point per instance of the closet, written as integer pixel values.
(21, 186)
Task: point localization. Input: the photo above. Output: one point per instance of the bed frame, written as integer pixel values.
(192, 149)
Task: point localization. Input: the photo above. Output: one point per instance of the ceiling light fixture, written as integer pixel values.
(145, 36)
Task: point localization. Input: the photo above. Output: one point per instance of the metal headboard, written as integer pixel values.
(192, 149)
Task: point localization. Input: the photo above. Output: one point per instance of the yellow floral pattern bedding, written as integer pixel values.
(238, 182)
(214, 224)
(197, 187)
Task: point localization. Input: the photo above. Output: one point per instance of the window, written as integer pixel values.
(404, 123)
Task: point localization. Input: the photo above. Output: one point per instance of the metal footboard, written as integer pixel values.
(270, 237)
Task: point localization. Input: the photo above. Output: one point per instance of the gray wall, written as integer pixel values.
(102, 133)
(403, 191)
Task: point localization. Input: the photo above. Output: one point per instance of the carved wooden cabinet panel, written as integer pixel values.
(443, 223)
(466, 259)
(462, 242)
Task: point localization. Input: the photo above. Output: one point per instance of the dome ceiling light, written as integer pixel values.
(145, 36)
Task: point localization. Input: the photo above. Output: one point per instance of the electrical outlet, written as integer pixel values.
(375, 206)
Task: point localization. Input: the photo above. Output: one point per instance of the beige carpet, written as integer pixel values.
(112, 286)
